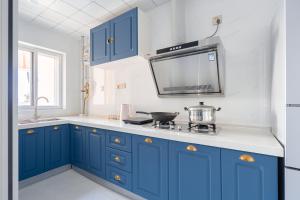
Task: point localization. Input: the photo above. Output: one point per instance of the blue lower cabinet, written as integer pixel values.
(56, 146)
(95, 149)
(194, 172)
(119, 177)
(31, 152)
(150, 167)
(248, 176)
(78, 146)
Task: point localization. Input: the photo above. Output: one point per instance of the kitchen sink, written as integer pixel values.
(30, 121)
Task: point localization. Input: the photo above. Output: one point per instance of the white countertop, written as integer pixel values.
(255, 140)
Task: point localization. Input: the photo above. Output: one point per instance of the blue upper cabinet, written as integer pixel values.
(150, 167)
(115, 39)
(124, 35)
(194, 172)
(78, 146)
(100, 44)
(248, 176)
(95, 149)
(31, 152)
(56, 146)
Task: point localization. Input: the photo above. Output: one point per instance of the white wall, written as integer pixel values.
(37, 35)
(245, 34)
(278, 47)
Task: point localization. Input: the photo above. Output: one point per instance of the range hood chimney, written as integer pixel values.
(178, 21)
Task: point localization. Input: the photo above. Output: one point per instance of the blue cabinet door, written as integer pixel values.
(56, 146)
(78, 145)
(248, 176)
(195, 172)
(124, 34)
(95, 151)
(31, 152)
(100, 48)
(150, 167)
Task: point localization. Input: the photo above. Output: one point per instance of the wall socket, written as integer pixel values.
(216, 18)
(121, 86)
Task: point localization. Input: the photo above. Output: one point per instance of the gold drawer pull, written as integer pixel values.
(76, 127)
(117, 159)
(31, 131)
(55, 127)
(191, 148)
(117, 178)
(247, 158)
(94, 130)
(117, 140)
(148, 140)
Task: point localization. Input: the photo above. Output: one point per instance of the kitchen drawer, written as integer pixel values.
(119, 177)
(119, 159)
(118, 140)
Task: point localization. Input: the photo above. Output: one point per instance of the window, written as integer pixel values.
(39, 75)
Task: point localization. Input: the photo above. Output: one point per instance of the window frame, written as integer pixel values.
(34, 70)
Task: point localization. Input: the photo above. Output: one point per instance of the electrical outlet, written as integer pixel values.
(121, 86)
(216, 18)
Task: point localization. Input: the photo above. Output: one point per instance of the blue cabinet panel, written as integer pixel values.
(195, 172)
(78, 145)
(100, 48)
(31, 152)
(124, 32)
(119, 159)
(56, 146)
(95, 148)
(248, 176)
(118, 140)
(150, 167)
(119, 177)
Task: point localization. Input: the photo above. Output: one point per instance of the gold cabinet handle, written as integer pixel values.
(148, 140)
(31, 131)
(247, 158)
(117, 140)
(94, 130)
(117, 159)
(55, 127)
(76, 127)
(117, 178)
(191, 148)
(110, 40)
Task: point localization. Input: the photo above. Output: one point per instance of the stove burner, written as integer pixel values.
(164, 125)
(202, 128)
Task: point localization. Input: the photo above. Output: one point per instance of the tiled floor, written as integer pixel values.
(68, 186)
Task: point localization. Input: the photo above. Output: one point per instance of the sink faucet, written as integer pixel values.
(36, 106)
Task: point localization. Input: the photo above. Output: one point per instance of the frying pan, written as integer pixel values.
(161, 116)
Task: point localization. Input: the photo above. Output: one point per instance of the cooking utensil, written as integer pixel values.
(202, 114)
(161, 116)
(137, 120)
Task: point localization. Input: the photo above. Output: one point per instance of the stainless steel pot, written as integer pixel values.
(202, 114)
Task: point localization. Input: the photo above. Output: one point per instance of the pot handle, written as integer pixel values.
(218, 109)
(142, 112)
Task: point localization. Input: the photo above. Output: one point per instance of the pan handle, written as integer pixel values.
(142, 112)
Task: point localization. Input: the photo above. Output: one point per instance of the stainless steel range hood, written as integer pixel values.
(190, 69)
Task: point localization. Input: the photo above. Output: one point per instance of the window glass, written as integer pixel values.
(24, 77)
(48, 79)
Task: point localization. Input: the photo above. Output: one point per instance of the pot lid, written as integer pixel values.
(201, 106)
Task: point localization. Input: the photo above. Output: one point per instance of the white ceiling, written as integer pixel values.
(77, 17)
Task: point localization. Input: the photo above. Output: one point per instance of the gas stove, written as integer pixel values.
(209, 129)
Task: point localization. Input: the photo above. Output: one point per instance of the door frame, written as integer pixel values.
(8, 100)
